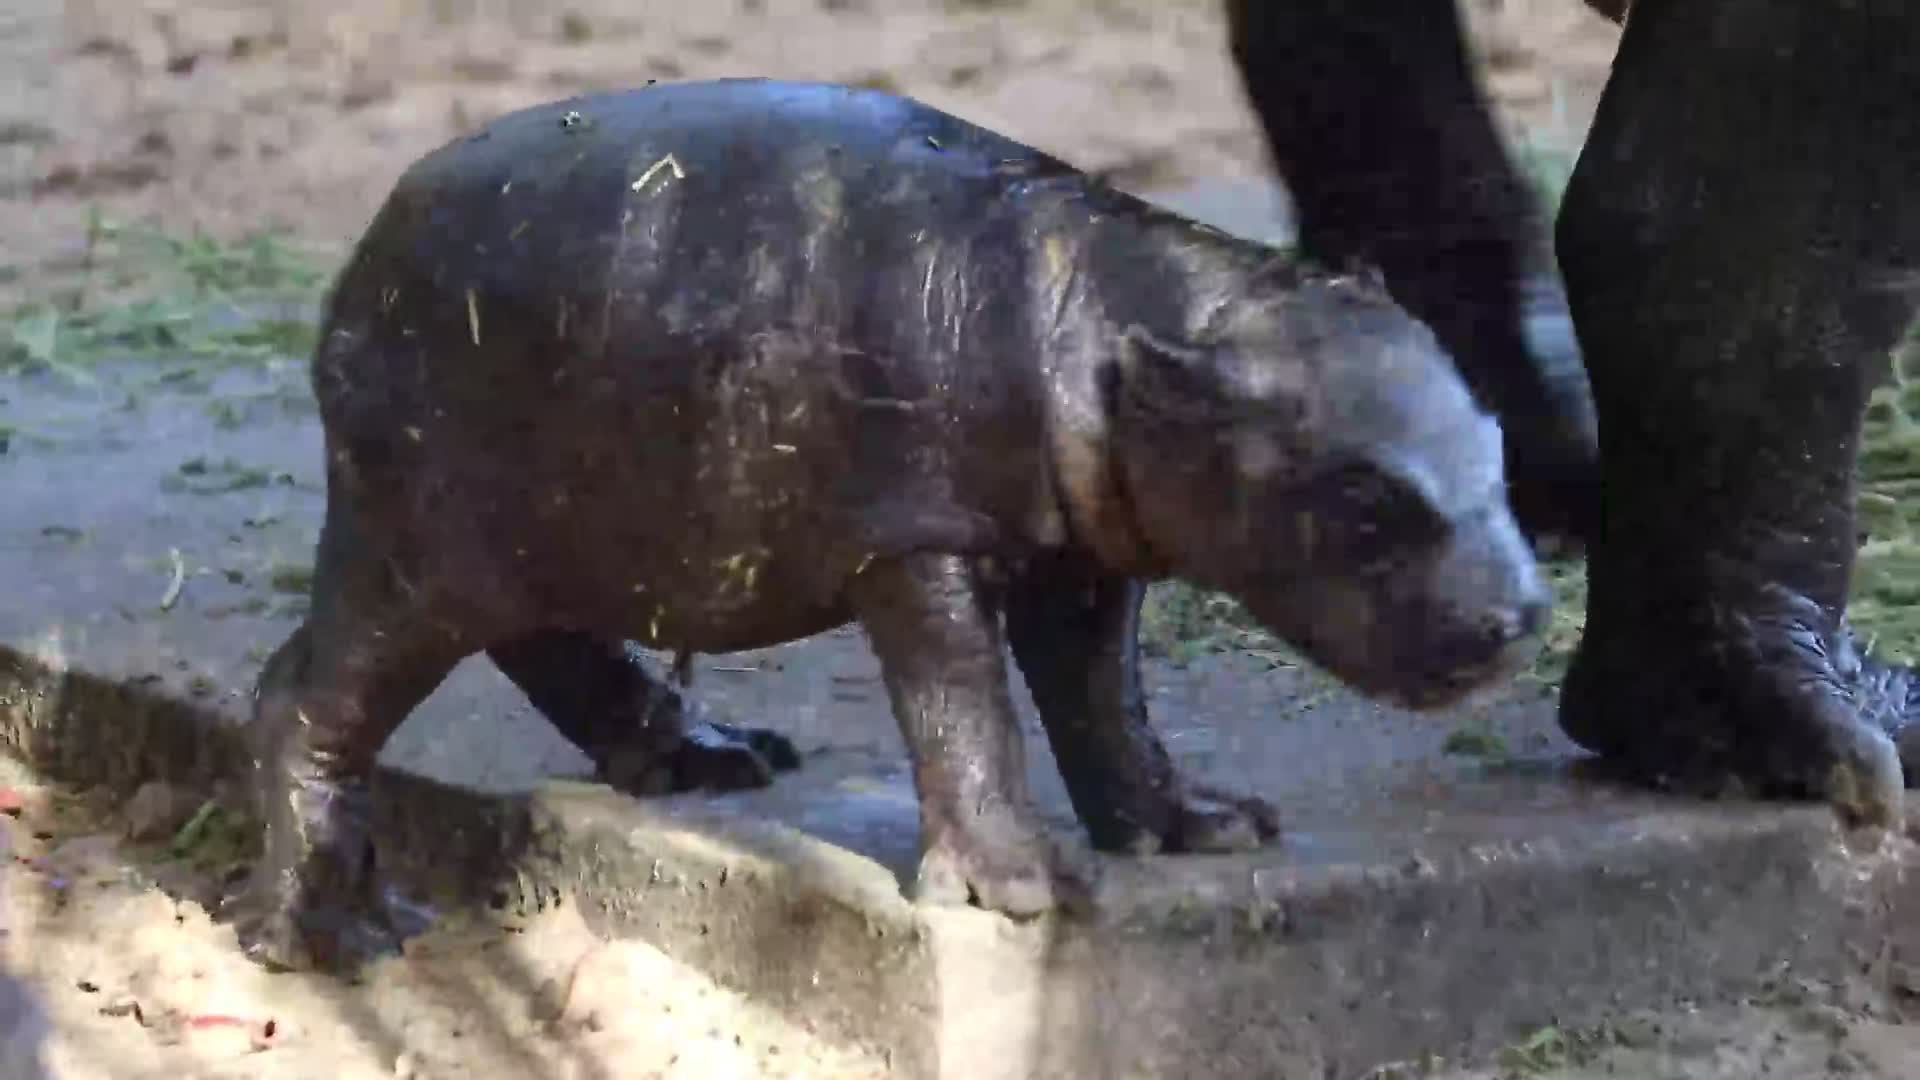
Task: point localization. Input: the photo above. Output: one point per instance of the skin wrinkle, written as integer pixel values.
(1085, 474)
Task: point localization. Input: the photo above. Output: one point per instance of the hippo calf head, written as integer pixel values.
(1320, 460)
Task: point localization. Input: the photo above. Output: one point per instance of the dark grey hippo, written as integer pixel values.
(1739, 247)
(715, 366)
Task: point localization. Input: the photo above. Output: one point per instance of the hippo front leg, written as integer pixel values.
(1075, 634)
(935, 627)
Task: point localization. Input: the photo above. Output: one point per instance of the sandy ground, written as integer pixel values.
(141, 985)
(227, 115)
(109, 929)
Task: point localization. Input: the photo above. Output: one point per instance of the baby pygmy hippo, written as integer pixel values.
(719, 365)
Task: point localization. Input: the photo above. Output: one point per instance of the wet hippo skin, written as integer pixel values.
(1738, 244)
(714, 366)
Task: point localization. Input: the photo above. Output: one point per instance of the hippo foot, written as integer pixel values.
(774, 748)
(307, 932)
(1888, 698)
(310, 902)
(314, 909)
(1207, 820)
(1001, 862)
(1213, 820)
(708, 757)
(1764, 705)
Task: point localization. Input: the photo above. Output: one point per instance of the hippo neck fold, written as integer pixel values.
(1104, 265)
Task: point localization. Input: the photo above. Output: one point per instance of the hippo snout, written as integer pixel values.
(1473, 651)
(1475, 617)
(1506, 626)
(1428, 628)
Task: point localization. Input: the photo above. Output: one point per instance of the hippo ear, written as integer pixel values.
(1169, 380)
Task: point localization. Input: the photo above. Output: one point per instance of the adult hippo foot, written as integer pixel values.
(710, 756)
(1731, 417)
(1767, 702)
(1888, 698)
(1000, 861)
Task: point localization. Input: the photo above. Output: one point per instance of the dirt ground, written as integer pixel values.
(227, 115)
(104, 911)
(113, 935)
(232, 114)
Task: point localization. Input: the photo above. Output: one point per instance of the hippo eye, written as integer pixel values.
(1371, 516)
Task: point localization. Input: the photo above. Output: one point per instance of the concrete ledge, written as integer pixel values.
(1526, 895)
(1235, 967)
(101, 731)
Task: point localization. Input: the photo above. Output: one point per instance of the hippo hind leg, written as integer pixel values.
(326, 702)
(1074, 633)
(643, 734)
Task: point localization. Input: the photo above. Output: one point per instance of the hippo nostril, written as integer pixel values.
(1504, 626)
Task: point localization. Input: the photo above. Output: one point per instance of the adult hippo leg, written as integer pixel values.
(935, 626)
(634, 726)
(327, 701)
(1741, 240)
(1373, 116)
(1075, 636)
